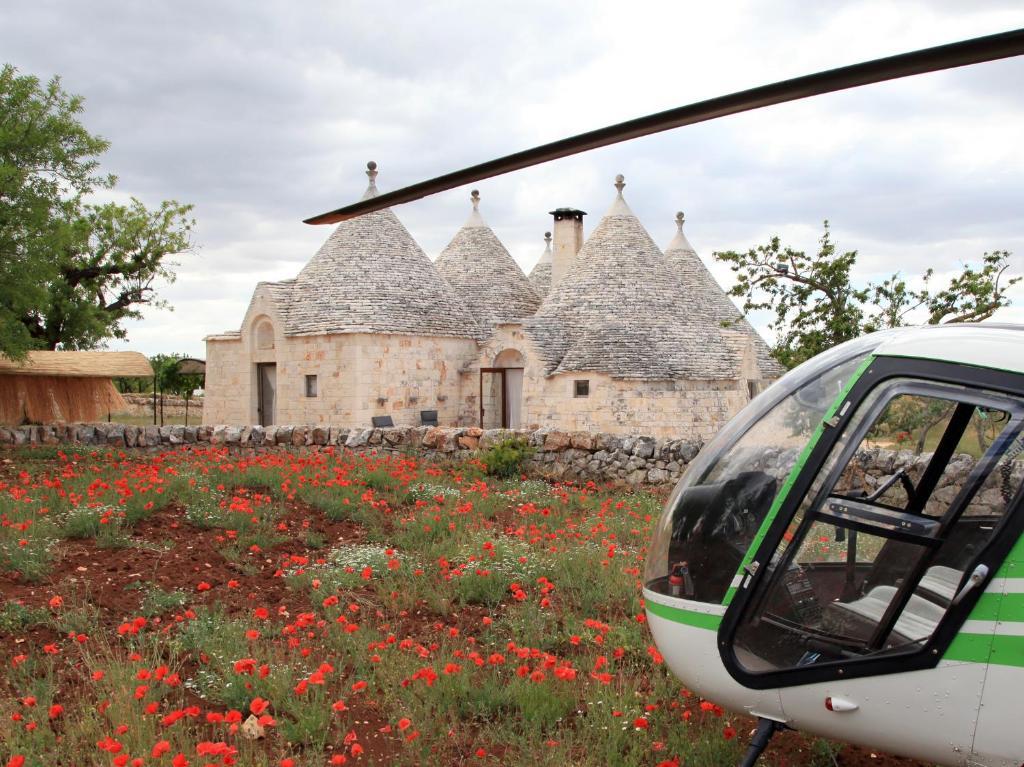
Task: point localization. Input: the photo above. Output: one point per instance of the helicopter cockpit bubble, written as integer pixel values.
(717, 508)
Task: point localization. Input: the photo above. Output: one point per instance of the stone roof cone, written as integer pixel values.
(484, 275)
(707, 297)
(540, 275)
(371, 277)
(620, 310)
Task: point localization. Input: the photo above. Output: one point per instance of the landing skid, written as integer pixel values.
(766, 728)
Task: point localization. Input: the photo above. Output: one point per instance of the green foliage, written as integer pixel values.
(817, 306)
(15, 617)
(170, 379)
(506, 459)
(70, 272)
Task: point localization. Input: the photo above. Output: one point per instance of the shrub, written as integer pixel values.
(505, 459)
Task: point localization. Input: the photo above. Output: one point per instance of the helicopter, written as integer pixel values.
(807, 569)
(786, 580)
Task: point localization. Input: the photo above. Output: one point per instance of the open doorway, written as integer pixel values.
(266, 392)
(501, 392)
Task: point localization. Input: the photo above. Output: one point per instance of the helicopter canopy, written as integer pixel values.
(851, 516)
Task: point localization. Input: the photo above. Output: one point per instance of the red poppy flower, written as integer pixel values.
(258, 706)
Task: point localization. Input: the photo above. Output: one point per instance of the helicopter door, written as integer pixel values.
(877, 558)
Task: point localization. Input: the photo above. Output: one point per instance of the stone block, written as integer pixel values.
(283, 436)
(466, 442)
(131, 436)
(115, 434)
(176, 435)
(395, 436)
(298, 436)
(582, 440)
(556, 441)
(358, 438)
(190, 434)
(657, 476)
(644, 447)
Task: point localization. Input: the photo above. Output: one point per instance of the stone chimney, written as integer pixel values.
(568, 240)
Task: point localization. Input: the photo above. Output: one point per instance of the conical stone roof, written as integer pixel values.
(620, 310)
(540, 275)
(371, 277)
(707, 297)
(484, 275)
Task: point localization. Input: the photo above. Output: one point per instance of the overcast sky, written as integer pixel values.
(264, 113)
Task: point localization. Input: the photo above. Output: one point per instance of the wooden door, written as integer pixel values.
(266, 392)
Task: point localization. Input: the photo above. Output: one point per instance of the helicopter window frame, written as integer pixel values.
(925, 654)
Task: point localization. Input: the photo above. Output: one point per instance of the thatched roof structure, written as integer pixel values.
(80, 365)
(52, 387)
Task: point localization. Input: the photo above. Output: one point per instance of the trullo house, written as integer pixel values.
(608, 333)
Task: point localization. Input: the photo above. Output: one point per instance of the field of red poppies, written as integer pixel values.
(324, 608)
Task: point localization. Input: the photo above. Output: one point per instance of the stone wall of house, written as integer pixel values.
(558, 455)
(359, 375)
(662, 409)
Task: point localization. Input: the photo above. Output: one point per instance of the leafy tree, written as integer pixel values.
(816, 304)
(70, 271)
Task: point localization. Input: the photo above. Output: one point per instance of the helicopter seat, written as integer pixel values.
(940, 584)
(860, 617)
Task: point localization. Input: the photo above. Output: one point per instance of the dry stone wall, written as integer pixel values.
(557, 454)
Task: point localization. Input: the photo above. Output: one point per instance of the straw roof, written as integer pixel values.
(57, 399)
(707, 297)
(540, 275)
(484, 275)
(79, 365)
(371, 277)
(620, 310)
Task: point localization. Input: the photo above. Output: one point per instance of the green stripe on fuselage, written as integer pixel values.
(993, 606)
(997, 649)
(780, 498)
(687, 617)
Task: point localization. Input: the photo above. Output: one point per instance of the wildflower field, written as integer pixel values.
(321, 608)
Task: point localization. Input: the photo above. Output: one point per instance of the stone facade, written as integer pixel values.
(618, 344)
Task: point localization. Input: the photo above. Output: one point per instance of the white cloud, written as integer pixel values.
(264, 114)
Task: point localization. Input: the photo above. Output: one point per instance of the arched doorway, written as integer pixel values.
(501, 391)
(265, 390)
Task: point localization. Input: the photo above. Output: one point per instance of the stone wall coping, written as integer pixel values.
(579, 455)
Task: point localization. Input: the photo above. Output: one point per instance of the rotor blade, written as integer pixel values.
(978, 50)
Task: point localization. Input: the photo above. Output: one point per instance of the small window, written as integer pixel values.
(310, 386)
(581, 388)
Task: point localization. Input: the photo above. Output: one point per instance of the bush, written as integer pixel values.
(505, 460)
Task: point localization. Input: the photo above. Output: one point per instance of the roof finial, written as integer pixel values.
(620, 182)
(475, 197)
(371, 173)
(680, 218)
(547, 240)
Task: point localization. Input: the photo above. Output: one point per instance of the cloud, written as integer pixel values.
(264, 114)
